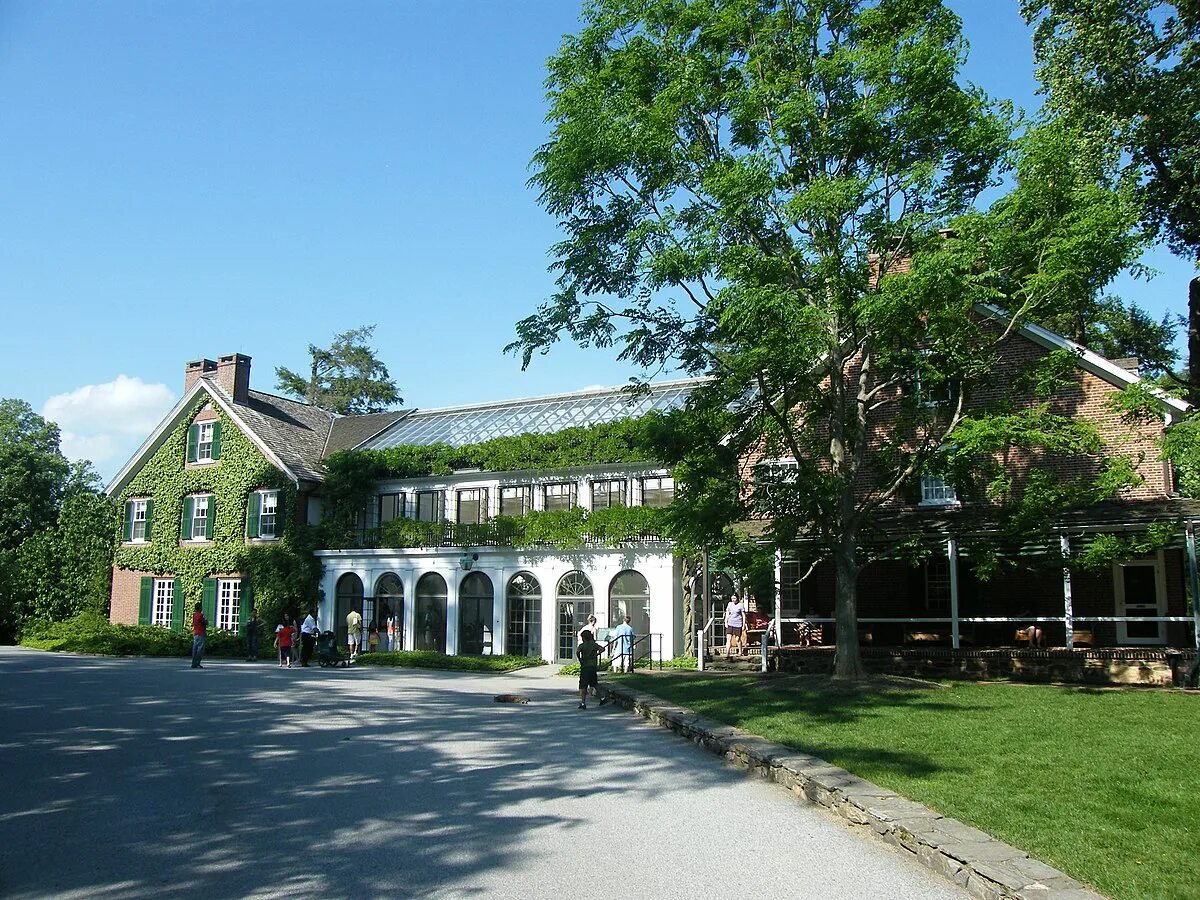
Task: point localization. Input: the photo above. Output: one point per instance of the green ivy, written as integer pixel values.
(284, 573)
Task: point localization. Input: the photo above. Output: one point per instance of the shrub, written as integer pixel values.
(92, 633)
(679, 662)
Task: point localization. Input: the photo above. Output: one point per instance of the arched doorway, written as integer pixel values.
(389, 598)
(629, 595)
(349, 596)
(430, 627)
(524, 596)
(475, 598)
(575, 603)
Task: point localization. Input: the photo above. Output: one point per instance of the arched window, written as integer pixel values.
(575, 603)
(524, 616)
(430, 627)
(475, 615)
(629, 595)
(349, 596)
(389, 596)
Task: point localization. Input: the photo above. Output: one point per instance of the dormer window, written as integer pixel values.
(937, 492)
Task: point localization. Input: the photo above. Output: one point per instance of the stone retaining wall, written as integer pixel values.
(989, 869)
(1106, 666)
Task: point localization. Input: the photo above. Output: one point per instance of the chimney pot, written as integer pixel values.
(233, 374)
(194, 370)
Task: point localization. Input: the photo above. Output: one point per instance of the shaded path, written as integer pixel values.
(143, 777)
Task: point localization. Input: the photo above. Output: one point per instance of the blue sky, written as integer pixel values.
(187, 180)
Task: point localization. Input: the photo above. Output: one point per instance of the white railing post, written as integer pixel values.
(700, 650)
(1068, 608)
(952, 557)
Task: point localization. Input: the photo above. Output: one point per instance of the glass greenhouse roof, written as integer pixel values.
(458, 425)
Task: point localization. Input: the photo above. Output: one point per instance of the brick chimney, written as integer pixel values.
(233, 373)
(196, 368)
(1129, 364)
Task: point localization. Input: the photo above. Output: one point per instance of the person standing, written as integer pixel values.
(588, 653)
(251, 629)
(624, 635)
(353, 632)
(308, 637)
(391, 633)
(735, 622)
(285, 639)
(199, 636)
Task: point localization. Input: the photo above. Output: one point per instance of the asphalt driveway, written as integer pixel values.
(142, 777)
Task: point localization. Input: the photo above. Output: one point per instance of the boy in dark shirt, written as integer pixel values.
(589, 660)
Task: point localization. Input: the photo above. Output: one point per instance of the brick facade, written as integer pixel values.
(126, 595)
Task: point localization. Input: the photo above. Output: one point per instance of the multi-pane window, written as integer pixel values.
(937, 491)
(516, 500)
(559, 496)
(790, 572)
(658, 491)
(137, 516)
(229, 603)
(198, 528)
(937, 583)
(429, 506)
(268, 509)
(774, 482)
(164, 597)
(928, 390)
(472, 506)
(204, 443)
(391, 506)
(609, 493)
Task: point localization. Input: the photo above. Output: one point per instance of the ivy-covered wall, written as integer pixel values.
(284, 574)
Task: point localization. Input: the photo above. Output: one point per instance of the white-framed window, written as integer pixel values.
(204, 443)
(429, 506)
(164, 598)
(937, 492)
(391, 507)
(928, 392)
(137, 512)
(559, 496)
(516, 500)
(229, 603)
(472, 506)
(609, 493)
(267, 510)
(658, 491)
(199, 524)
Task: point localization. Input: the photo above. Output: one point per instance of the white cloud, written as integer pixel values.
(107, 422)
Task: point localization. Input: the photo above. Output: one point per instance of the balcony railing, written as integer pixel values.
(410, 534)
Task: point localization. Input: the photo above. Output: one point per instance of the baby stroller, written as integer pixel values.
(327, 650)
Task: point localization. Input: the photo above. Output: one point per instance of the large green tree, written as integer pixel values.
(347, 377)
(757, 190)
(56, 526)
(1127, 74)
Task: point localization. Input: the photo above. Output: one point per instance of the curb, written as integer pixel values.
(988, 868)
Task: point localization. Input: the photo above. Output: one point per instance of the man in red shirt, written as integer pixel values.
(199, 634)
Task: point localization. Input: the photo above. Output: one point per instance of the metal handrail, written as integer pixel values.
(648, 638)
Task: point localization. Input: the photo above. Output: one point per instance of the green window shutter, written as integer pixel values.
(149, 515)
(127, 525)
(253, 510)
(185, 530)
(216, 447)
(208, 520)
(247, 602)
(147, 599)
(178, 606)
(208, 601)
(193, 441)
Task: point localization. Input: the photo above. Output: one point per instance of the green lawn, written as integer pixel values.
(1103, 784)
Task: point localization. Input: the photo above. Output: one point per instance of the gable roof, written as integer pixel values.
(350, 431)
(1088, 360)
(290, 435)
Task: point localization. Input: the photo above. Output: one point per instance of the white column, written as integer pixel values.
(1194, 580)
(409, 579)
(452, 581)
(952, 556)
(499, 635)
(1068, 610)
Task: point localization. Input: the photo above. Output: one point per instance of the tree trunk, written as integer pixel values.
(847, 660)
(689, 606)
(1193, 392)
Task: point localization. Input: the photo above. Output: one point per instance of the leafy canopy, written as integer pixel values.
(347, 378)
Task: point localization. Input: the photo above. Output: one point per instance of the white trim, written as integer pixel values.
(1088, 360)
(173, 418)
(1160, 590)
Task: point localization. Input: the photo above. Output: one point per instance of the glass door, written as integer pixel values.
(572, 616)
